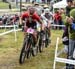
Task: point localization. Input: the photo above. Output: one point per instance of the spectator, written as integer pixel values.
(65, 40)
(71, 34)
(63, 15)
(4, 19)
(74, 3)
(68, 8)
(57, 19)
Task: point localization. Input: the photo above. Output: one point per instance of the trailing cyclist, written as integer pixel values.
(46, 16)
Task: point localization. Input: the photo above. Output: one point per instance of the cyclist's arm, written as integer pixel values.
(39, 20)
(24, 16)
(44, 18)
(22, 20)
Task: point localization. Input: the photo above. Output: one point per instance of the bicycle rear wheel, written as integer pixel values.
(47, 33)
(47, 40)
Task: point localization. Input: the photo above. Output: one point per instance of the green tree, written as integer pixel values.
(72, 13)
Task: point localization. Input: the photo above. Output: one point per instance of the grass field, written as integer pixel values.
(3, 5)
(10, 51)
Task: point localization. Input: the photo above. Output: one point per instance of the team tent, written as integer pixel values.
(61, 4)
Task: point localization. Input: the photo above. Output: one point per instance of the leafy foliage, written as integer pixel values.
(72, 13)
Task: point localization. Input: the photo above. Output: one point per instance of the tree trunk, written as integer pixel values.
(5, 1)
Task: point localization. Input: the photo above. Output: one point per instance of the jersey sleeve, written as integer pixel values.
(37, 17)
(43, 17)
(24, 15)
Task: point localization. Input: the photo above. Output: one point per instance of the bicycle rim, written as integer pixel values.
(40, 46)
(23, 53)
(28, 51)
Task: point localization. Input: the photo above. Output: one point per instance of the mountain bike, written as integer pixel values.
(41, 41)
(47, 36)
(28, 46)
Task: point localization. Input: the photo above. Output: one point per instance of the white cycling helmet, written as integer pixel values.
(46, 10)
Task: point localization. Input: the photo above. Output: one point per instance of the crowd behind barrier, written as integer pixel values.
(9, 19)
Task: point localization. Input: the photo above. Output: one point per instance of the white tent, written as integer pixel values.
(61, 4)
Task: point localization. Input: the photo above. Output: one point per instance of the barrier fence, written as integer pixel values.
(58, 59)
(57, 25)
(13, 30)
(8, 26)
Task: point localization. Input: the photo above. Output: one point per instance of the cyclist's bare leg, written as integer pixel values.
(35, 36)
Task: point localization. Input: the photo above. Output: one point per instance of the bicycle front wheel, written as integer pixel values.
(23, 53)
